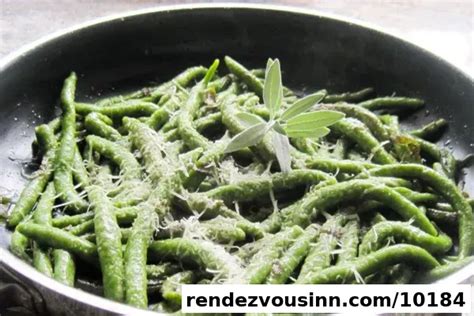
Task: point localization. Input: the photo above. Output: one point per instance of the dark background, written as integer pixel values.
(442, 26)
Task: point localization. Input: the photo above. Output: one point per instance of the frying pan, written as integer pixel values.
(124, 52)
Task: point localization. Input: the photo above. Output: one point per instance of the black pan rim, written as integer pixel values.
(21, 52)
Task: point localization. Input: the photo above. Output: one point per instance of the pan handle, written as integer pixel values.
(17, 297)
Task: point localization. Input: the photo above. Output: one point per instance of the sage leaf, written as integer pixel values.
(211, 71)
(281, 145)
(248, 119)
(314, 119)
(302, 105)
(269, 63)
(309, 133)
(248, 137)
(272, 88)
(277, 127)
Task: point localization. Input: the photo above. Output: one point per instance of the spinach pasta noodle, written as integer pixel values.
(225, 175)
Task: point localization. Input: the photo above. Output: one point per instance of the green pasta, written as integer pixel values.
(379, 233)
(231, 177)
(63, 181)
(109, 245)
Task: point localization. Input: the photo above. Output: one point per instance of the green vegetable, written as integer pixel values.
(392, 103)
(204, 254)
(443, 271)
(19, 245)
(284, 266)
(28, 198)
(378, 235)
(319, 255)
(129, 166)
(357, 132)
(187, 114)
(371, 263)
(57, 238)
(171, 289)
(95, 124)
(135, 258)
(348, 96)
(211, 178)
(350, 190)
(244, 74)
(66, 149)
(109, 244)
(446, 188)
(134, 108)
(261, 264)
(430, 130)
(64, 267)
(250, 190)
(349, 242)
(42, 215)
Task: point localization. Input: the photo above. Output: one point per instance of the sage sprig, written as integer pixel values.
(293, 122)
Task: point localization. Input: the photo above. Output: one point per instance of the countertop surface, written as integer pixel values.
(443, 27)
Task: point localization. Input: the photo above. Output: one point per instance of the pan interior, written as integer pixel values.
(316, 52)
